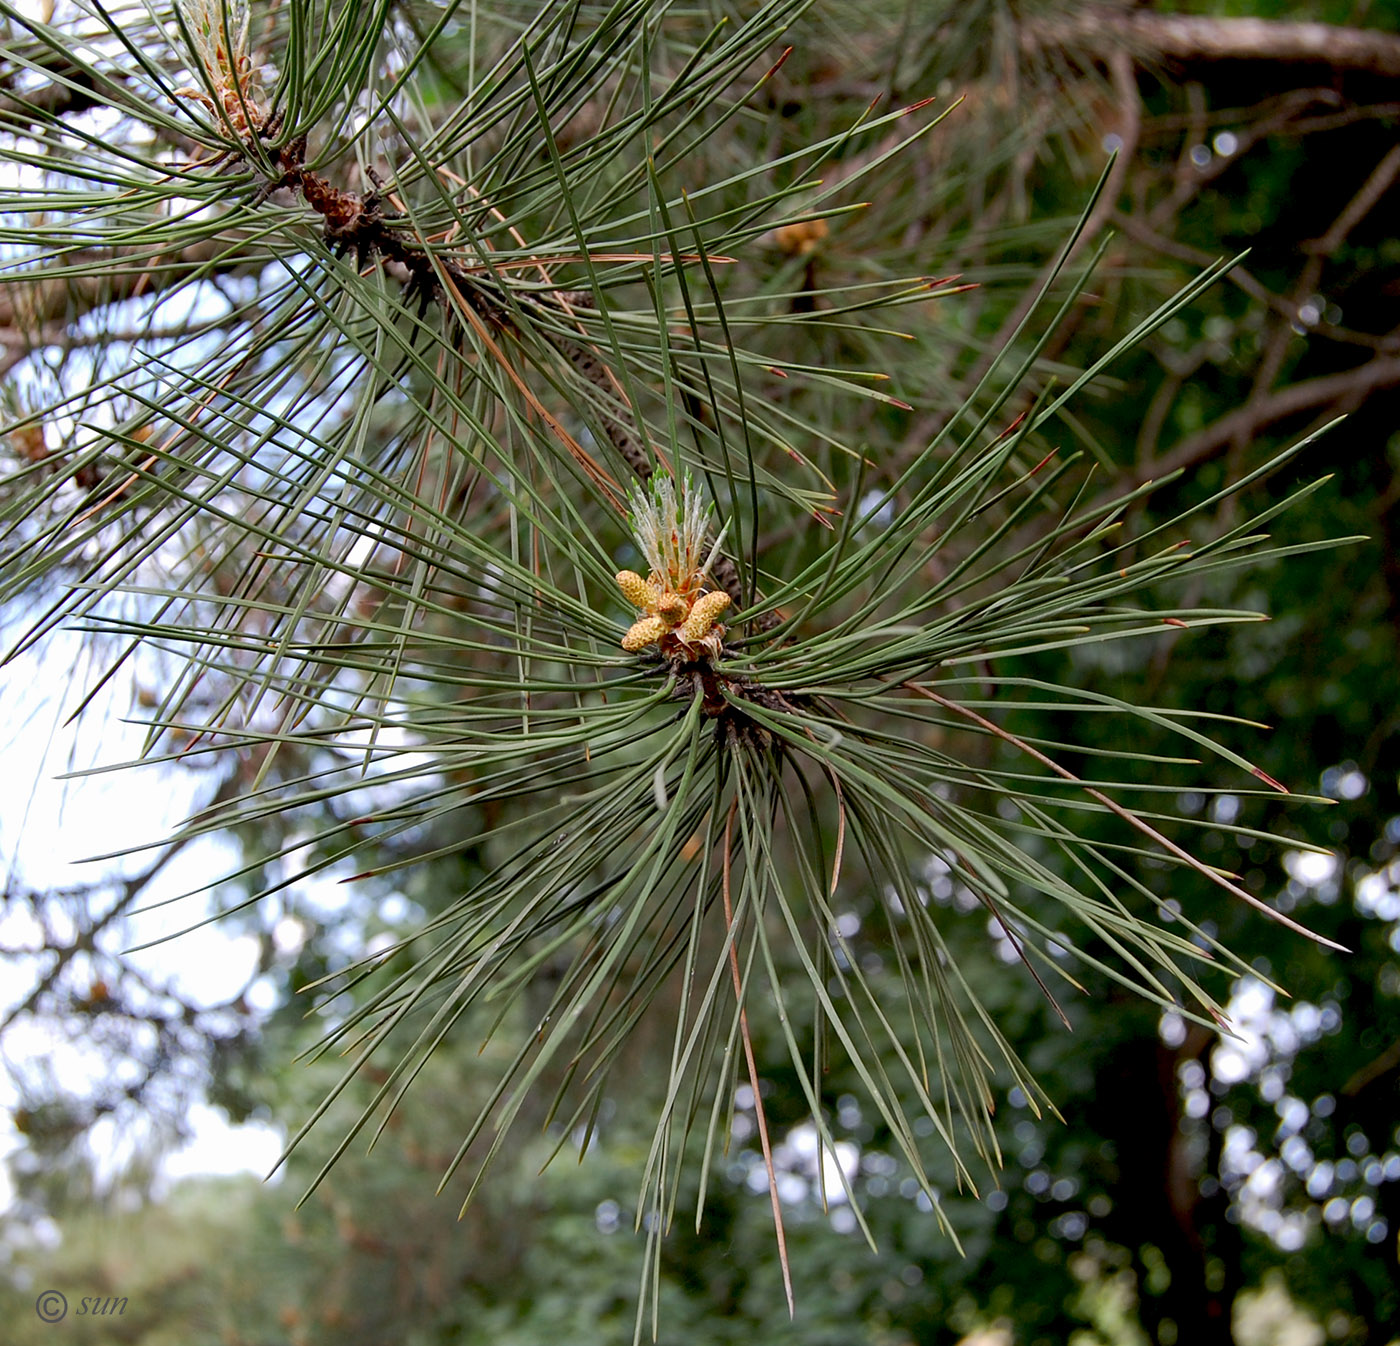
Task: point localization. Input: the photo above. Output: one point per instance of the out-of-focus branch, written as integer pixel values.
(1342, 390)
(1338, 392)
(129, 890)
(53, 100)
(1310, 277)
(1382, 178)
(1240, 276)
(19, 345)
(1102, 29)
(73, 89)
(29, 299)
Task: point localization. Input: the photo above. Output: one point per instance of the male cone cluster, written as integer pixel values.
(679, 614)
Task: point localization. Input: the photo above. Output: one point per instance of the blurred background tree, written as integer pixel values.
(1193, 1176)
